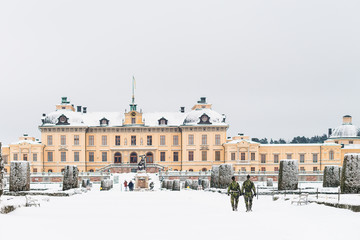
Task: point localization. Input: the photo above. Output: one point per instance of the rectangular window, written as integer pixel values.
(104, 156)
(217, 139)
(233, 156)
(91, 140)
(315, 157)
(302, 169)
(276, 169)
(25, 157)
(263, 169)
(252, 169)
(34, 157)
(191, 139)
(176, 140)
(276, 158)
(243, 169)
(76, 156)
(133, 140)
(104, 140)
(302, 158)
(49, 140)
(263, 158)
(50, 156)
(162, 140)
(176, 156)
(191, 155)
(35, 170)
(289, 156)
(204, 139)
(217, 155)
(252, 156)
(315, 169)
(63, 156)
(162, 156)
(204, 155)
(76, 140)
(117, 140)
(15, 156)
(351, 142)
(133, 120)
(91, 156)
(149, 140)
(62, 140)
(331, 155)
(242, 156)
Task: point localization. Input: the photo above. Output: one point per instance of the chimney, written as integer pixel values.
(44, 115)
(25, 135)
(202, 100)
(182, 109)
(84, 109)
(240, 134)
(347, 120)
(330, 132)
(78, 108)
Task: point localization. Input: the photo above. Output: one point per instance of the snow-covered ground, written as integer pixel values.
(167, 215)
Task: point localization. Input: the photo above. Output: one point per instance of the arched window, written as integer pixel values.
(149, 158)
(91, 170)
(50, 170)
(63, 170)
(117, 157)
(204, 169)
(176, 170)
(133, 158)
(331, 155)
(190, 170)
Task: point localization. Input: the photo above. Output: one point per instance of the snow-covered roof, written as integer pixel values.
(352, 146)
(300, 145)
(215, 118)
(241, 140)
(26, 141)
(346, 131)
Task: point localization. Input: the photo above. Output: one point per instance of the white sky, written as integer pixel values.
(275, 68)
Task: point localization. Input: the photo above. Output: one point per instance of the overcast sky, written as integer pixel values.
(275, 68)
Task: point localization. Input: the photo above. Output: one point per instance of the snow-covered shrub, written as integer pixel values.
(350, 176)
(106, 184)
(85, 183)
(288, 175)
(19, 176)
(195, 185)
(176, 185)
(71, 175)
(225, 173)
(269, 182)
(205, 183)
(188, 183)
(163, 184)
(332, 176)
(215, 177)
(169, 184)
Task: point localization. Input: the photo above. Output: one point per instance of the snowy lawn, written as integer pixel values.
(175, 215)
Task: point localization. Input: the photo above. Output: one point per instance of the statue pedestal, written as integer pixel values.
(141, 180)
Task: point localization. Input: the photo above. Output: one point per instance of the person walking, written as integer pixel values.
(248, 190)
(125, 185)
(234, 190)
(131, 186)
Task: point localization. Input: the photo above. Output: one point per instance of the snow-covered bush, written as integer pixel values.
(195, 185)
(205, 183)
(225, 173)
(85, 183)
(176, 185)
(163, 184)
(188, 183)
(332, 176)
(19, 176)
(288, 175)
(170, 184)
(71, 175)
(106, 184)
(269, 182)
(215, 177)
(350, 176)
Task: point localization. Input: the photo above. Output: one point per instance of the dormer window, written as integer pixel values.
(63, 120)
(204, 119)
(104, 122)
(163, 121)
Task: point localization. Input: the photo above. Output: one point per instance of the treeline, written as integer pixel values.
(298, 139)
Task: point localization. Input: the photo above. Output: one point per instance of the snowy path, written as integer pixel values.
(175, 215)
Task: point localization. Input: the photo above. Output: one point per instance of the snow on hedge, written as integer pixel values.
(163, 184)
(332, 176)
(215, 177)
(169, 185)
(288, 175)
(188, 183)
(350, 177)
(269, 182)
(195, 185)
(225, 173)
(71, 177)
(205, 183)
(176, 185)
(19, 176)
(106, 184)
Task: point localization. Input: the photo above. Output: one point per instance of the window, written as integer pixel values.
(276, 169)
(34, 157)
(315, 169)
(91, 140)
(351, 142)
(117, 140)
(217, 155)
(76, 140)
(252, 156)
(162, 156)
(315, 157)
(217, 139)
(242, 156)
(104, 156)
(91, 170)
(288, 155)
(149, 140)
(49, 140)
(263, 169)
(337, 142)
(276, 158)
(104, 140)
(63, 140)
(263, 158)
(204, 139)
(117, 157)
(63, 156)
(233, 156)
(162, 140)
(176, 140)
(191, 155)
(35, 170)
(49, 171)
(149, 158)
(331, 155)
(15, 156)
(133, 140)
(76, 156)
(191, 139)
(133, 158)
(302, 158)
(25, 157)
(243, 169)
(133, 120)
(204, 155)
(252, 169)
(191, 170)
(302, 169)
(50, 156)
(204, 170)
(91, 156)
(176, 156)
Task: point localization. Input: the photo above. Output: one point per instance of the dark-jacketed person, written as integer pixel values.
(248, 190)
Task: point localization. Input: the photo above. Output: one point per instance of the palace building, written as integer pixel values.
(192, 140)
